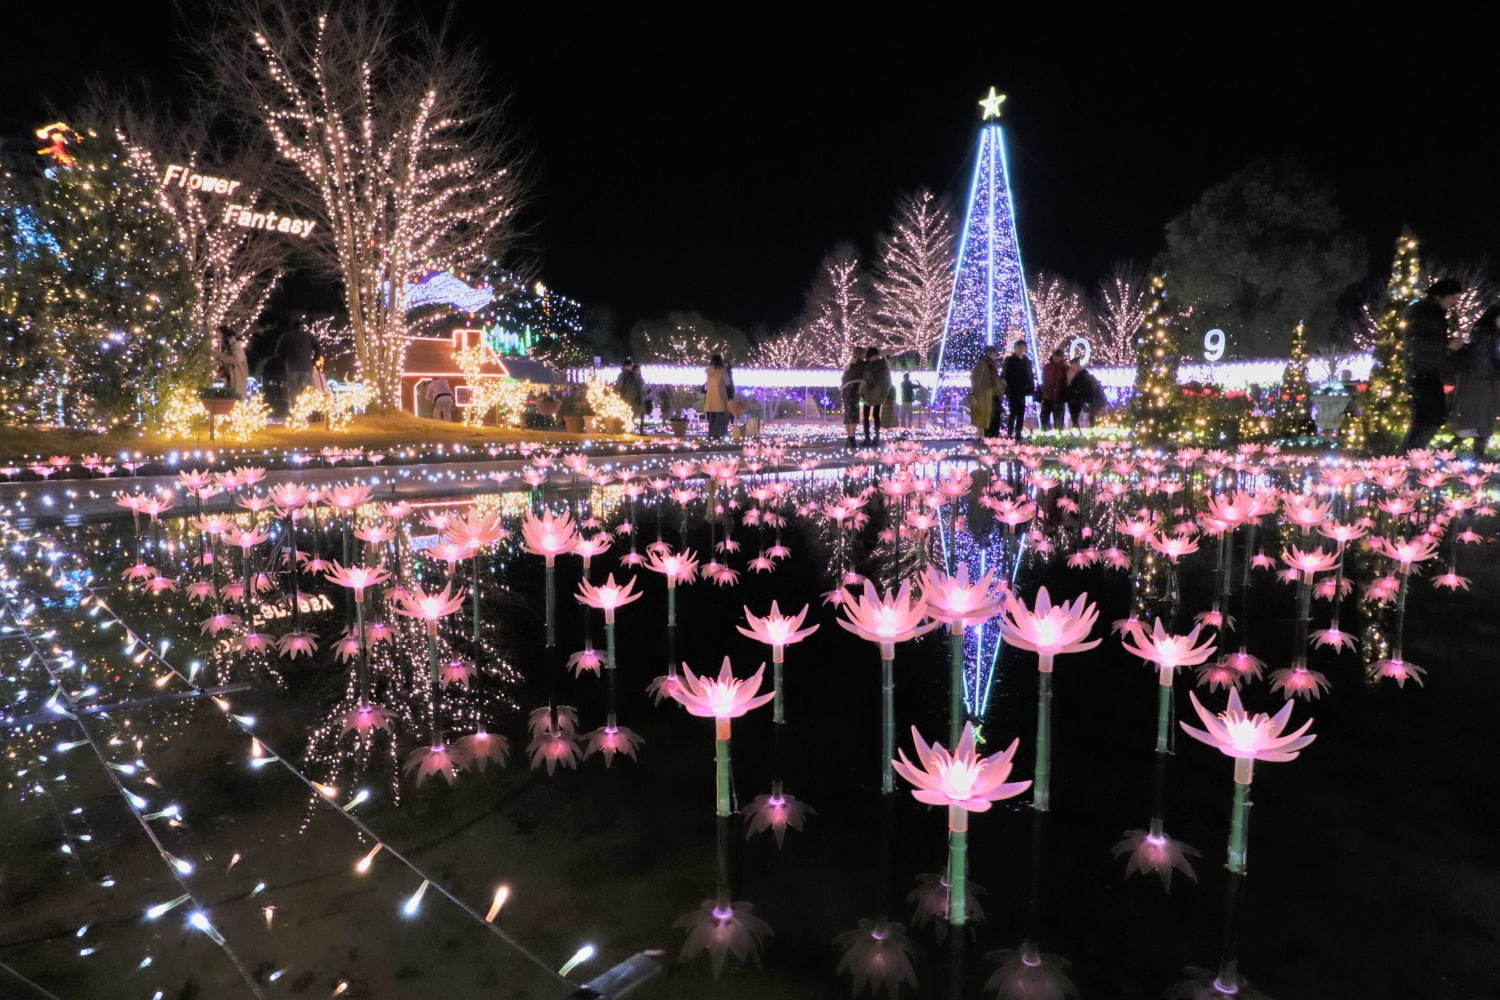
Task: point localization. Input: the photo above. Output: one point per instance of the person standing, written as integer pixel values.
(632, 389)
(1054, 393)
(440, 399)
(716, 397)
(1478, 397)
(1083, 393)
(905, 394)
(230, 353)
(984, 394)
(299, 353)
(1020, 382)
(850, 386)
(1427, 360)
(876, 391)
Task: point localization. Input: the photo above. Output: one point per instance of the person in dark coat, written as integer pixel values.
(1054, 392)
(849, 387)
(1427, 360)
(1084, 392)
(298, 352)
(1020, 382)
(1477, 401)
(875, 392)
(632, 389)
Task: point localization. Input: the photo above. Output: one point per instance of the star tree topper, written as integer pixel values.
(991, 105)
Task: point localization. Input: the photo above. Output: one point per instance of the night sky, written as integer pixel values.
(688, 159)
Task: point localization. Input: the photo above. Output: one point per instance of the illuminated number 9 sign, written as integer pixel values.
(1213, 345)
(1080, 350)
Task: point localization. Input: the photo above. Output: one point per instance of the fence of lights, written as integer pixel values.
(1226, 374)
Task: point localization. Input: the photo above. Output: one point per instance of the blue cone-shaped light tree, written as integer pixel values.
(989, 303)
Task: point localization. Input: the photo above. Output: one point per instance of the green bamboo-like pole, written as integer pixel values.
(887, 718)
(1042, 789)
(609, 664)
(958, 865)
(474, 573)
(1163, 709)
(721, 766)
(1239, 820)
(554, 663)
(778, 708)
(432, 678)
(364, 661)
(955, 684)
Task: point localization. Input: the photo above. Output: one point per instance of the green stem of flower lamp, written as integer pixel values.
(432, 678)
(609, 664)
(958, 865)
(1041, 799)
(474, 574)
(778, 709)
(364, 663)
(887, 721)
(955, 684)
(1239, 820)
(1163, 710)
(721, 766)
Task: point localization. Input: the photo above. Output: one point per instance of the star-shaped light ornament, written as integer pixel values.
(991, 105)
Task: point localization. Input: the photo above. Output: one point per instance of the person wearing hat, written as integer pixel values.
(1427, 360)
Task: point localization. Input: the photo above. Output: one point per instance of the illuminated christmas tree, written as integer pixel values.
(1291, 415)
(989, 303)
(116, 293)
(1382, 412)
(1156, 407)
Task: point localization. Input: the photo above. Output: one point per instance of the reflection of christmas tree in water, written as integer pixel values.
(1382, 412)
(989, 304)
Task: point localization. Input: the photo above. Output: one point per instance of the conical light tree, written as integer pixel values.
(989, 305)
(1384, 409)
(1158, 397)
(1290, 413)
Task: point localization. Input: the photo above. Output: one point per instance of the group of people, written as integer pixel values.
(718, 394)
(999, 388)
(296, 351)
(1436, 361)
(866, 388)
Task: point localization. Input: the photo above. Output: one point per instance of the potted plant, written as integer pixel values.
(218, 400)
(573, 410)
(673, 402)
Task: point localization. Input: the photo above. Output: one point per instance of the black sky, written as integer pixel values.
(704, 156)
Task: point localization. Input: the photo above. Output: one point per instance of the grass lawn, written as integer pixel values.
(370, 431)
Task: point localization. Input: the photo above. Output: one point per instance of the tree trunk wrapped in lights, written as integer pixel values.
(397, 152)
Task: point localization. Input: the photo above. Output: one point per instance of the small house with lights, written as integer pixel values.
(428, 358)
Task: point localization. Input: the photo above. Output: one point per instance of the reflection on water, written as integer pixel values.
(373, 698)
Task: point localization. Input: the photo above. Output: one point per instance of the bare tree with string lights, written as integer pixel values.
(837, 316)
(914, 275)
(1124, 303)
(399, 152)
(1057, 311)
(234, 269)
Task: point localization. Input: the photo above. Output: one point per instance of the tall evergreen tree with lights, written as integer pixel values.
(1383, 410)
(1156, 407)
(115, 316)
(1291, 414)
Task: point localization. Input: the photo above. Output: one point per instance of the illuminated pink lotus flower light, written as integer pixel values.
(878, 954)
(775, 813)
(722, 928)
(481, 748)
(438, 759)
(612, 739)
(1153, 852)
(608, 596)
(364, 718)
(550, 535)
